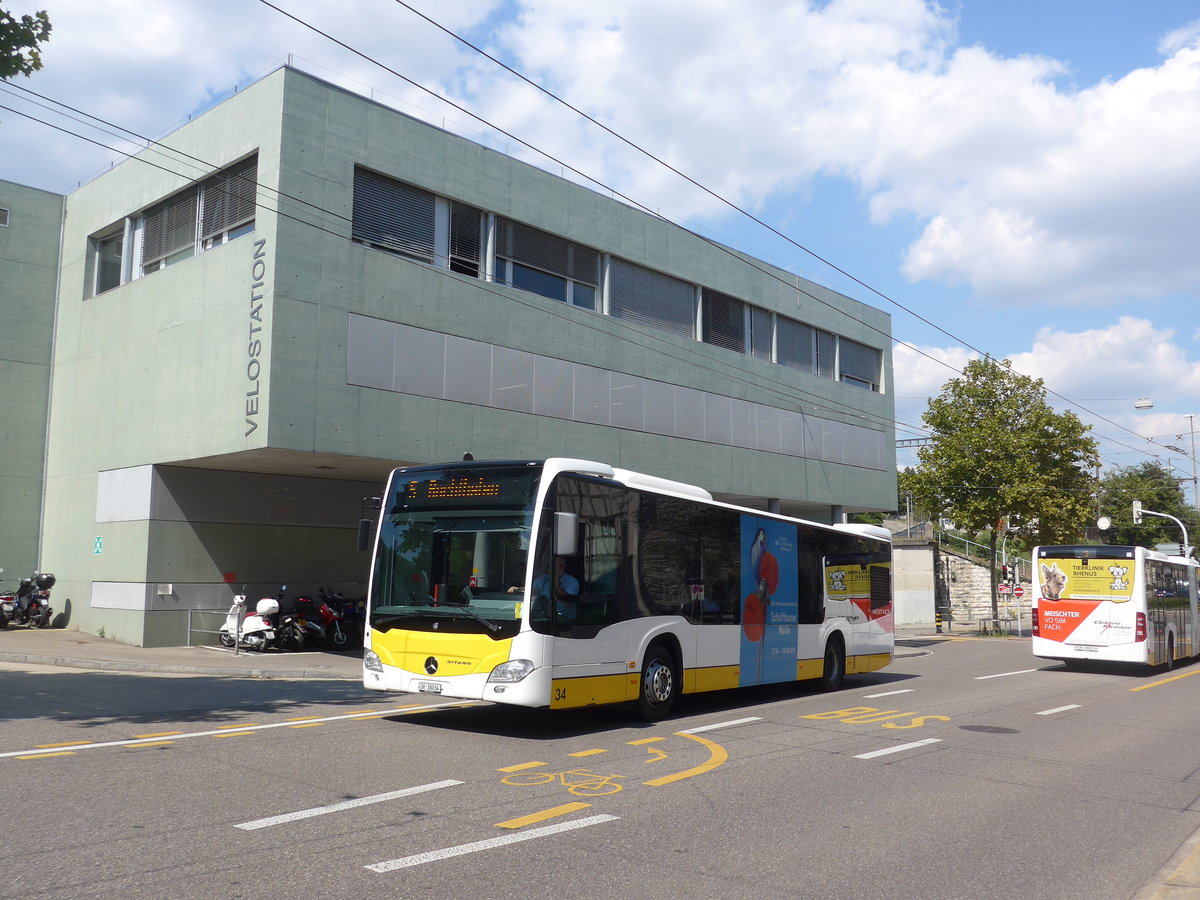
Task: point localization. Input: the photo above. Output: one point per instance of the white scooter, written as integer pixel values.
(255, 632)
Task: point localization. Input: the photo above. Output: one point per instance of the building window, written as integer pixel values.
(393, 216)
(465, 236)
(859, 364)
(794, 345)
(826, 353)
(760, 333)
(227, 202)
(546, 264)
(3, 217)
(201, 217)
(650, 298)
(109, 261)
(722, 321)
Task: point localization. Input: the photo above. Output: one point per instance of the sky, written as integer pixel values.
(1017, 179)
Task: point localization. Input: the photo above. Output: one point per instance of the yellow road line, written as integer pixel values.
(717, 757)
(158, 734)
(247, 725)
(308, 725)
(45, 755)
(150, 744)
(302, 718)
(522, 767)
(230, 734)
(1144, 687)
(644, 741)
(543, 815)
(63, 744)
(587, 752)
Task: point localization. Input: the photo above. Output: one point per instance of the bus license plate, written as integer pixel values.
(1085, 648)
(429, 687)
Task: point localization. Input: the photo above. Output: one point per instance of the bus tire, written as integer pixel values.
(659, 684)
(833, 669)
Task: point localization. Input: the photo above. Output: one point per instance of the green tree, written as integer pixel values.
(1001, 455)
(1153, 484)
(20, 39)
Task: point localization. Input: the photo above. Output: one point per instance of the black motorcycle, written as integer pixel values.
(30, 605)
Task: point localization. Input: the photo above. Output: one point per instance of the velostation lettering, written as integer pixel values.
(254, 347)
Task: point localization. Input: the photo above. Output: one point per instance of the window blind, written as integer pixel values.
(548, 252)
(393, 215)
(651, 298)
(228, 198)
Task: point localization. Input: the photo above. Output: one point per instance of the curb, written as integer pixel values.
(109, 665)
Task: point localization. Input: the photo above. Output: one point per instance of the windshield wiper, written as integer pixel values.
(433, 612)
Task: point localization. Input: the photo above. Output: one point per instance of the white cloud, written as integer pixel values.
(1026, 191)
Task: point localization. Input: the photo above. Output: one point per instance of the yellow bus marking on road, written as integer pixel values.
(644, 741)
(307, 725)
(587, 752)
(1166, 680)
(717, 756)
(46, 755)
(542, 816)
(150, 744)
(230, 734)
(63, 744)
(247, 725)
(156, 734)
(522, 767)
(303, 718)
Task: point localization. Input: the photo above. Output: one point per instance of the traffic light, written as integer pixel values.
(1006, 573)
(1137, 512)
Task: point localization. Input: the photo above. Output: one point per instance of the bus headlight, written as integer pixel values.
(372, 662)
(513, 670)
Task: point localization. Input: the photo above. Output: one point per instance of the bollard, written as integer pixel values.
(938, 619)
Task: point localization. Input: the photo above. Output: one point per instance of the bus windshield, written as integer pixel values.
(452, 541)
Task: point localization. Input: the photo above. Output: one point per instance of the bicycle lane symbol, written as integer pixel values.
(580, 782)
(584, 782)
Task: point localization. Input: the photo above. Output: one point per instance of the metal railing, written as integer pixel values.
(205, 622)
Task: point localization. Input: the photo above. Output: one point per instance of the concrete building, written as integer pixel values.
(308, 288)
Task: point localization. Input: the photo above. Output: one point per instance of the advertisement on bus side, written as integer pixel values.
(770, 609)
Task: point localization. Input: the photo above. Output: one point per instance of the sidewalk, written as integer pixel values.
(76, 650)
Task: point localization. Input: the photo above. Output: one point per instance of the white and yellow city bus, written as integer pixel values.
(657, 589)
(1113, 604)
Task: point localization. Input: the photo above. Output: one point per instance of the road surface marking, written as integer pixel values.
(1166, 680)
(345, 804)
(463, 849)
(1004, 674)
(587, 753)
(222, 730)
(898, 748)
(542, 816)
(721, 725)
(717, 757)
(1058, 709)
(887, 694)
(521, 767)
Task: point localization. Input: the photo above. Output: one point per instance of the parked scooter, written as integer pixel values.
(351, 612)
(30, 605)
(324, 625)
(263, 629)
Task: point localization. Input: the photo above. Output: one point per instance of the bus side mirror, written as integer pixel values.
(566, 529)
(364, 534)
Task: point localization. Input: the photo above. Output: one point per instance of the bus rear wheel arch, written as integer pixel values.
(833, 668)
(660, 683)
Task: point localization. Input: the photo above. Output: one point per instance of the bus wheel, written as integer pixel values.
(834, 669)
(659, 683)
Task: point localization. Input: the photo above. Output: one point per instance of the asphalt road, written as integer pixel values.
(966, 769)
